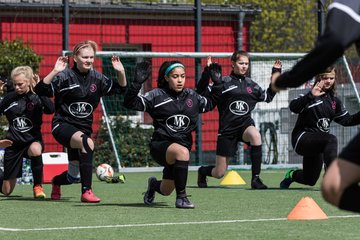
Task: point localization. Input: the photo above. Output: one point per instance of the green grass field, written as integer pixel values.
(226, 213)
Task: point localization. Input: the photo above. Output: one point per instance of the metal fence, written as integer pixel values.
(52, 26)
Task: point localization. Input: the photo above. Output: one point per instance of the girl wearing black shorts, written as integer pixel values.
(77, 93)
(175, 110)
(23, 110)
(310, 137)
(340, 186)
(239, 96)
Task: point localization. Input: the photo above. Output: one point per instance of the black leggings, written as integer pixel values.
(317, 149)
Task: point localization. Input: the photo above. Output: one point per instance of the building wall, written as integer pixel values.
(44, 34)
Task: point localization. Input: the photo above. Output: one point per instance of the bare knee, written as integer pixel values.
(182, 154)
(330, 193)
(252, 135)
(166, 192)
(7, 191)
(91, 143)
(256, 139)
(167, 186)
(35, 149)
(8, 186)
(87, 144)
(36, 153)
(218, 172)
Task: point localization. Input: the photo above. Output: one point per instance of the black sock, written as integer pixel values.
(61, 179)
(1, 180)
(256, 155)
(180, 176)
(156, 187)
(206, 170)
(37, 169)
(350, 199)
(86, 168)
(297, 176)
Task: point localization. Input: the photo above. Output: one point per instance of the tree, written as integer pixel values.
(16, 53)
(283, 26)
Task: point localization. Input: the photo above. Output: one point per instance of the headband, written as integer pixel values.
(172, 66)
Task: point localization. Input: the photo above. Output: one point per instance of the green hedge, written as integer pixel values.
(132, 143)
(16, 53)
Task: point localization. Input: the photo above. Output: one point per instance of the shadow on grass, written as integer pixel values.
(219, 187)
(136, 205)
(207, 187)
(299, 189)
(270, 188)
(20, 198)
(3, 196)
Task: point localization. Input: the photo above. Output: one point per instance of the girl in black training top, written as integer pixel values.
(239, 96)
(311, 137)
(77, 93)
(340, 186)
(23, 110)
(175, 111)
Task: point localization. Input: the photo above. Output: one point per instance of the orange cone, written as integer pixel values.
(307, 209)
(232, 178)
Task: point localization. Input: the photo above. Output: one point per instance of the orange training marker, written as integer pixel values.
(307, 209)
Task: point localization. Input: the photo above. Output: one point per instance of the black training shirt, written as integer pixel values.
(24, 115)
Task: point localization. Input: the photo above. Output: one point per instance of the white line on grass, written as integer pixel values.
(155, 224)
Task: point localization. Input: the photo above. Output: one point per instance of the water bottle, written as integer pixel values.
(27, 173)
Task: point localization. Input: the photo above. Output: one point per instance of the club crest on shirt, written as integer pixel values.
(323, 124)
(22, 124)
(80, 109)
(178, 123)
(333, 105)
(30, 106)
(239, 108)
(93, 88)
(249, 90)
(189, 102)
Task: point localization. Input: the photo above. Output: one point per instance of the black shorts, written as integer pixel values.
(13, 160)
(227, 145)
(351, 151)
(63, 132)
(158, 150)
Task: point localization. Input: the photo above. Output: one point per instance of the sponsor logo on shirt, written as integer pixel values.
(323, 124)
(178, 123)
(239, 108)
(80, 109)
(22, 124)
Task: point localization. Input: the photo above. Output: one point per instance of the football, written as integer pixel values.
(104, 170)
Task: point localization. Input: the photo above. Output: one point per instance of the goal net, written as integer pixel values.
(122, 136)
